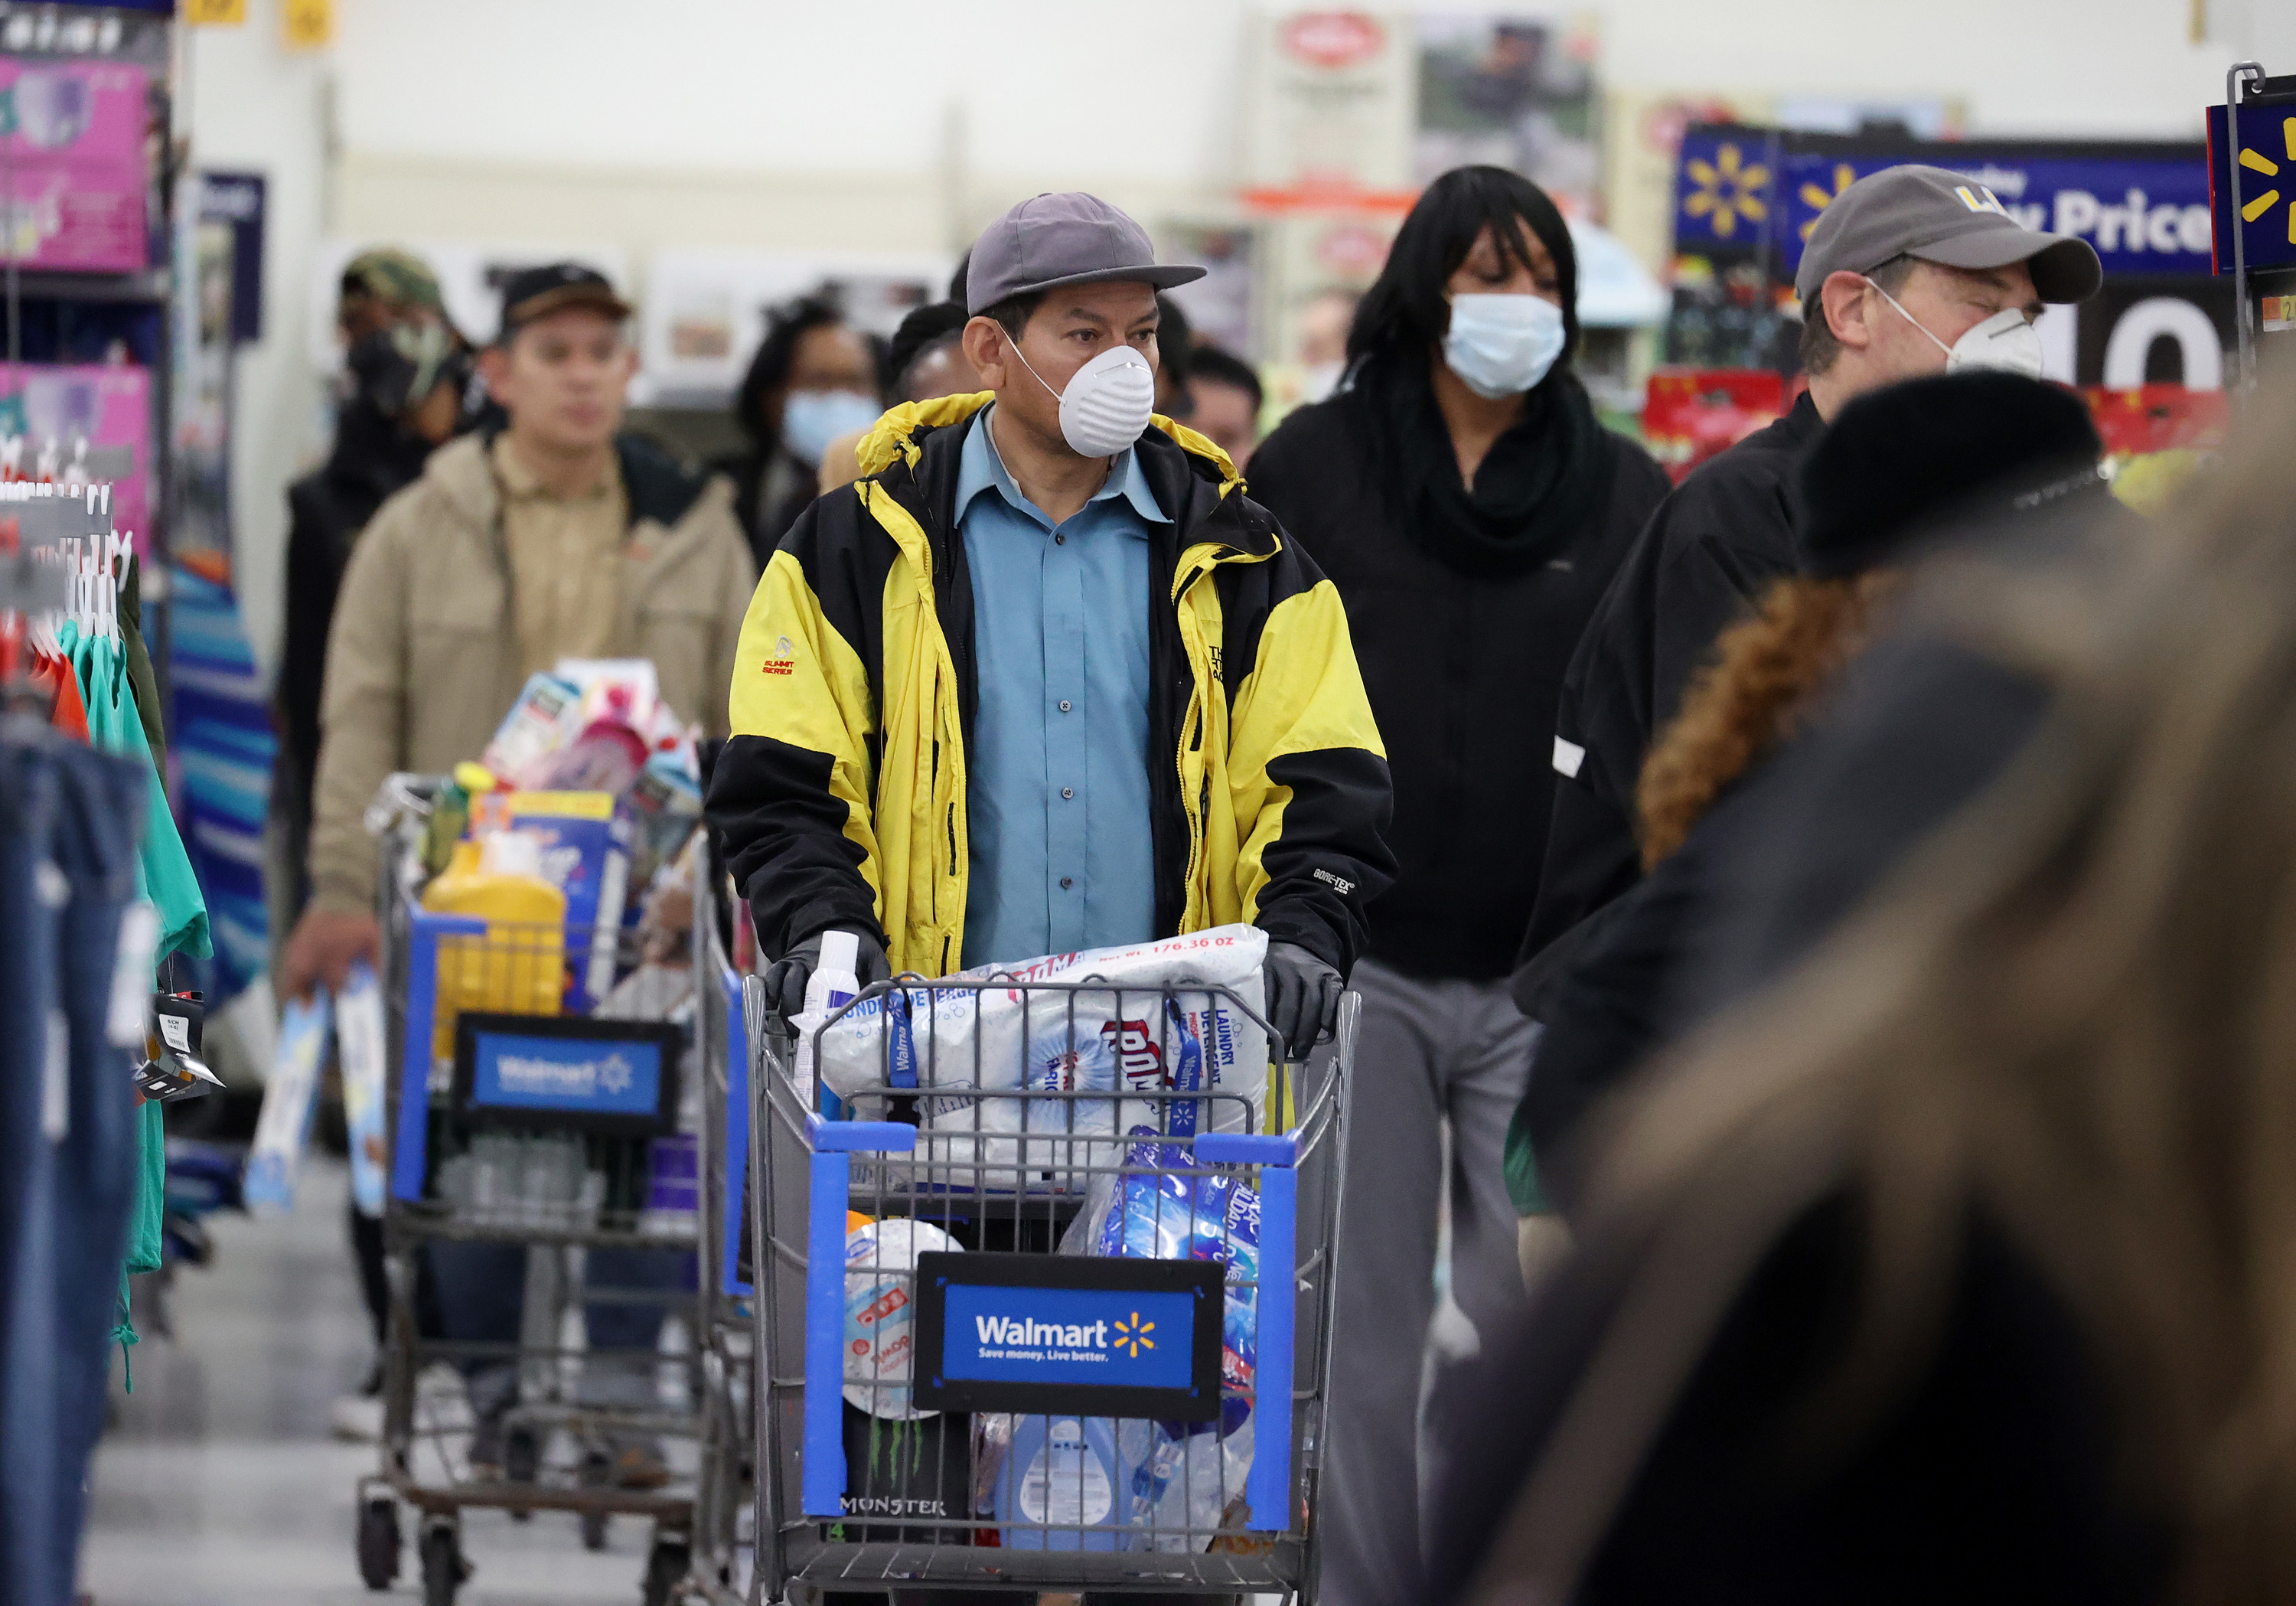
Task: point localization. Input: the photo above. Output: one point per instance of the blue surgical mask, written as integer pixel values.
(1502, 345)
(811, 420)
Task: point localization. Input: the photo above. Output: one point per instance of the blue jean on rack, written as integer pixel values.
(101, 807)
(27, 1335)
(68, 823)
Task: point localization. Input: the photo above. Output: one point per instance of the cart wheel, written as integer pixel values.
(378, 1543)
(666, 1565)
(597, 1473)
(443, 1567)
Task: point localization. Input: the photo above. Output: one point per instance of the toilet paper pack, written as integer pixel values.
(1136, 1019)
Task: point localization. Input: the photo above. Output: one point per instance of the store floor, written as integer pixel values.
(222, 1485)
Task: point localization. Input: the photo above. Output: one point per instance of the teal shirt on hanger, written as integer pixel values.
(115, 725)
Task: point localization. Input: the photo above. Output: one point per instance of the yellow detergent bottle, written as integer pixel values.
(519, 967)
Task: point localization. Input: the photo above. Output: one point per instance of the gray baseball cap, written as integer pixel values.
(1071, 238)
(1939, 216)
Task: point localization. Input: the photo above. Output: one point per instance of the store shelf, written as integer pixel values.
(151, 287)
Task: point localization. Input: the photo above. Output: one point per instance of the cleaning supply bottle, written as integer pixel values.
(1060, 1478)
(832, 985)
(519, 967)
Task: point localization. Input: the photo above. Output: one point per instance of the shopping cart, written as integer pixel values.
(1068, 1334)
(550, 1133)
(723, 1503)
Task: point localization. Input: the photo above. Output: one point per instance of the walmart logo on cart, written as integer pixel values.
(1007, 1339)
(563, 1078)
(1111, 1337)
(586, 1075)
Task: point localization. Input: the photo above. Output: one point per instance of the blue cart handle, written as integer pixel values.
(447, 925)
(411, 1139)
(859, 1137)
(1247, 1148)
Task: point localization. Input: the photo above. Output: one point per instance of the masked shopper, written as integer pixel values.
(407, 378)
(1469, 508)
(1087, 571)
(407, 381)
(1946, 1266)
(924, 359)
(1911, 270)
(812, 380)
(1970, 462)
(555, 536)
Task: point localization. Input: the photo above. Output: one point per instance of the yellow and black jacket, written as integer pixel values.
(840, 798)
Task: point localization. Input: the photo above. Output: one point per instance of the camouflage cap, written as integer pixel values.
(390, 275)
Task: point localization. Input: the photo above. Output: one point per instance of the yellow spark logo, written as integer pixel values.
(1815, 197)
(2251, 211)
(1728, 188)
(1133, 1336)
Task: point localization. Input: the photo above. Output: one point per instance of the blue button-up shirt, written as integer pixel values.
(1057, 777)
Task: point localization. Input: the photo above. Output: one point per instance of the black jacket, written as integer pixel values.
(1923, 726)
(1988, 1476)
(1463, 673)
(1724, 533)
(373, 458)
(1606, 995)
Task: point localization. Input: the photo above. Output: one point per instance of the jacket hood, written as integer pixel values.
(900, 433)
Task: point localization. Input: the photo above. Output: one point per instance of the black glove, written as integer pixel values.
(785, 978)
(1303, 997)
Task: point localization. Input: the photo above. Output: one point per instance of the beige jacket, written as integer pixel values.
(424, 659)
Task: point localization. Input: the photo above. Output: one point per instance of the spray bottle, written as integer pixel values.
(832, 985)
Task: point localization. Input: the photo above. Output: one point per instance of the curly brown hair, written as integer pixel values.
(1765, 672)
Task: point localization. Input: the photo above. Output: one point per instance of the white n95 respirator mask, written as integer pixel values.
(2005, 341)
(1502, 345)
(1108, 401)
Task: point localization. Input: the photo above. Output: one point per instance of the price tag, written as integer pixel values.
(215, 13)
(131, 975)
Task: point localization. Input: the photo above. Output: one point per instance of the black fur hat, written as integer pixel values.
(1903, 460)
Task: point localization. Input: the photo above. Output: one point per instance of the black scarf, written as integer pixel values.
(1536, 490)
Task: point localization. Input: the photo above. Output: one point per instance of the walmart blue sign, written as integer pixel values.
(1106, 1336)
(1069, 1335)
(566, 1075)
(2266, 159)
(2145, 213)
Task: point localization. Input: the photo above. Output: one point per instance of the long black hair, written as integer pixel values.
(1542, 481)
(1403, 316)
(769, 369)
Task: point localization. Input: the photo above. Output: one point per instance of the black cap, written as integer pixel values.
(534, 293)
(1903, 460)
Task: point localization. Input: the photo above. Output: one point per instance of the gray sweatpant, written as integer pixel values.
(1427, 1053)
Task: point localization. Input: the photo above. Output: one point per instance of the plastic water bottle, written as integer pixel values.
(832, 985)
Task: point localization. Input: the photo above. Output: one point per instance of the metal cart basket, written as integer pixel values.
(1043, 1306)
(523, 1127)
(722, 1501)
